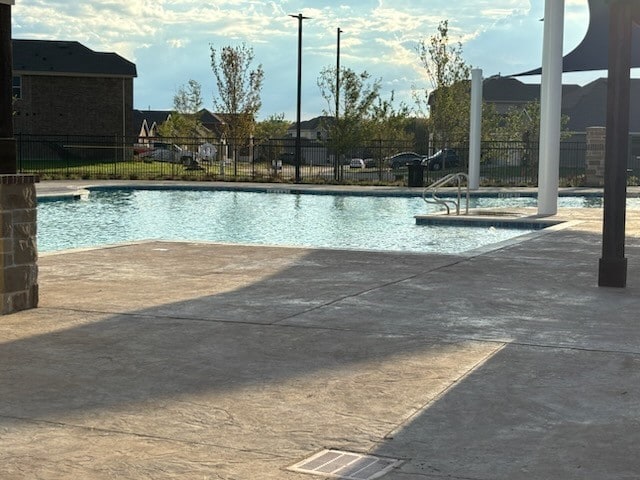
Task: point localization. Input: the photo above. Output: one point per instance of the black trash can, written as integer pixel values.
(416, 175)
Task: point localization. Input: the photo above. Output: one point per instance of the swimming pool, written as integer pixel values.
(360, 222)
(323, 221)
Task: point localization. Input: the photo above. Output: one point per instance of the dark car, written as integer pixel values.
(289, 158)
(401, 159)
(445, 158)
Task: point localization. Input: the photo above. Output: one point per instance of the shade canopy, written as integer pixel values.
(592, 53)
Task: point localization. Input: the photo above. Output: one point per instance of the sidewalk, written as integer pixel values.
(164, 360)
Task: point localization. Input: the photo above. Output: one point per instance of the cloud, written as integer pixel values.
(177, 42)
(379, 36)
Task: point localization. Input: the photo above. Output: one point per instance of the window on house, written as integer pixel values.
(17, 87)
(319, 135)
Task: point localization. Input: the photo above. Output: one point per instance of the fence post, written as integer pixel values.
(18, 137)
(115, 155)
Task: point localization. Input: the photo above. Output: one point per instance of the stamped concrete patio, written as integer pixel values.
(162, 360)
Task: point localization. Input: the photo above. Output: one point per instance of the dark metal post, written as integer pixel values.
(338, 75)
(298, 178)
(613, 264)
(7, 141)
(336, 133)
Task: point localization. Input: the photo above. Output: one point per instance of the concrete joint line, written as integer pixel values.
(371, 289)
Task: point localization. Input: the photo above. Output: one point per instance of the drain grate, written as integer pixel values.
(346, 465)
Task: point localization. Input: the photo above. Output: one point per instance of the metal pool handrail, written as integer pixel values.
(446, 180)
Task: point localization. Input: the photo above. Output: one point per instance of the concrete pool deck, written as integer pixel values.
(194, 361)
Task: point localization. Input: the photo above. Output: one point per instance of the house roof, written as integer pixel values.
(212, 122)
(586, 106)
(53, 57)
(313, 124)
(151, 116)
(207, 117)
(510, 90)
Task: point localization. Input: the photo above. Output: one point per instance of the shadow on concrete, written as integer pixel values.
(244, 320)
(529, 412)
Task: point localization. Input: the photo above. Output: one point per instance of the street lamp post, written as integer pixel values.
(338, 75)
(300, 17)
(7, 142)
(336, 162)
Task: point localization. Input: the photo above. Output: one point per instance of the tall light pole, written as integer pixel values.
(336, 160)
(300, 17)
(338, 75)
(7, 142)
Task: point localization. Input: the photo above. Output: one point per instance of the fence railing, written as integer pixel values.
(502, 163)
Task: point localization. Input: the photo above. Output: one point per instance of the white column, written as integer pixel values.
(475, 129)
(550, 107)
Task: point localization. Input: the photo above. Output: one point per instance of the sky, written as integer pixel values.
(170, 41)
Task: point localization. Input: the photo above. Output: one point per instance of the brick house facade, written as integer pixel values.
(64, 88)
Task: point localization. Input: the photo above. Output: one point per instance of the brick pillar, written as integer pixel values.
(596, 137)
(19, 255)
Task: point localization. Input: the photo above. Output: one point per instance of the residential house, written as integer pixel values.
(314, 129)
(65, 88)
(586, 106)
(146, 123)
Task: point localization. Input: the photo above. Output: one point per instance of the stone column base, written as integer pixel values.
(596, 138)
(18, 247)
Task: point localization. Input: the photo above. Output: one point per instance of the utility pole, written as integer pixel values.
(300, 18)
(7, 141)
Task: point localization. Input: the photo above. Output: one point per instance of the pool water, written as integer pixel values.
(323, 221)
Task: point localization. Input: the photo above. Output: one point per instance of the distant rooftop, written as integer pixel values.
(67, 57)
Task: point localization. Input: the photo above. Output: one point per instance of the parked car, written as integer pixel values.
(356, 163)
(289, 158)
(369, 163)
(445, 158)
(401, 159)
(166, 152)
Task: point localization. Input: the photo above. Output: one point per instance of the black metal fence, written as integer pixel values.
(115, 157)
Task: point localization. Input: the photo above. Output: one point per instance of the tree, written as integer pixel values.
(523, 123)
(238, 87)
(388, 122)
(358, 97)
(273, 127)
(391, 127)
(184, 121)
(449, 100)
(368, 125)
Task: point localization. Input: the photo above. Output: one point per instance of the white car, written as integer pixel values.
(165, 152)
(356, 163)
